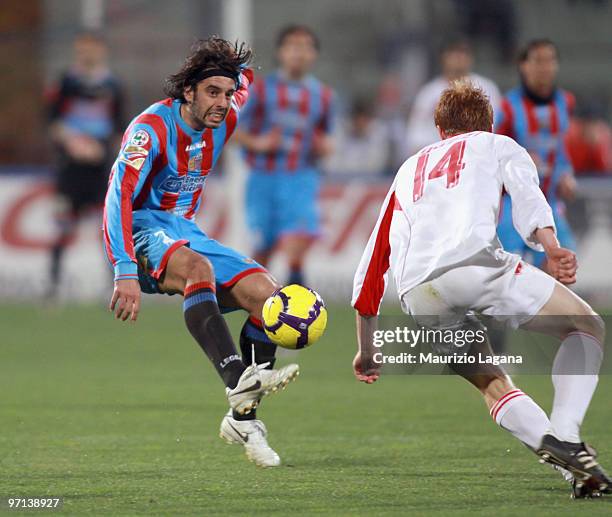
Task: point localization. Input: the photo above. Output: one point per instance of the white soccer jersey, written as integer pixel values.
(442, 210)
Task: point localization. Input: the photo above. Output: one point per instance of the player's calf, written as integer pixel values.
(295, 247)
(250, 294)
(518, 413)
(509, 407)
(192, 274)
(577, 362)
(255, 345)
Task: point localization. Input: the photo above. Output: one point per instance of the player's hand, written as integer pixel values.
(269, 142)
(365, 369)
(126, 299)
(567, 187)
(561, 264)
(83, 148)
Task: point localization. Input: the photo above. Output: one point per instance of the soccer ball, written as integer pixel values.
(294, 317)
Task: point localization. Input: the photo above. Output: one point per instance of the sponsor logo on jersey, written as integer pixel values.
(197, 145)
(178, 185)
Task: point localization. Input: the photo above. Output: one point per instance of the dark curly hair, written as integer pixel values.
(209, 54)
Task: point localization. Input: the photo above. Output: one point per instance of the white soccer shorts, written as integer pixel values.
(497, 284)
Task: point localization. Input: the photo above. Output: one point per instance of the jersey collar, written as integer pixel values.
(176, 113)
(535, 98)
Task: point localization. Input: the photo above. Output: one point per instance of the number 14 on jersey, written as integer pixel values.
(450, 165)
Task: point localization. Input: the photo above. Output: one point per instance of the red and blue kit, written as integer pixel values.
(540, 126)
(283, 185)
(155, 190)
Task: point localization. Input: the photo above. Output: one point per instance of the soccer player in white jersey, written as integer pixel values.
(436, 235)
(456, 62)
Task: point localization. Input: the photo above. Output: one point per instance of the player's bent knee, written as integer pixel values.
(264, 288)
(592, 324)
(585, 319)
(198, 269)
(185, 266)
(253, 291)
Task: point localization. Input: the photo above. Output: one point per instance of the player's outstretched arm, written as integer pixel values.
(134, 163)
(369, 288)
(365, 368)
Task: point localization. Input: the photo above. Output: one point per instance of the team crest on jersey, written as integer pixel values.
(195, 163)
(140, 138)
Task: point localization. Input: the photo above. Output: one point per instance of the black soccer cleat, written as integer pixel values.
(588, 489)
(585, 489)
(580, 460)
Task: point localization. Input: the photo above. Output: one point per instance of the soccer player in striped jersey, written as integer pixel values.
(436, 235)
(284, 130)
(537, 114)
(154, 245)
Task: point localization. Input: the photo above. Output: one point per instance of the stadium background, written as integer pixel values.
(383, 54)
(123, 419)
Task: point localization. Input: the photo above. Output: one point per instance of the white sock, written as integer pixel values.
(574, 376)
(519, 414)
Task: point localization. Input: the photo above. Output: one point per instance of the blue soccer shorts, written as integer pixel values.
(158, 234)
(280, 204)
(512, 242)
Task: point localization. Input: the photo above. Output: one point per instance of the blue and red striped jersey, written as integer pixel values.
(540, 128)
(299, 109)
(163, 165)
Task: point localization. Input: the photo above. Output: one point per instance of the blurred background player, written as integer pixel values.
(362, 146)
(85, 113)
(285, 129)
(456, 62)
(537, 115)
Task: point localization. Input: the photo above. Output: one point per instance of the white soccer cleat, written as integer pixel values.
(273, 380)
(252, 434)
(256, 382)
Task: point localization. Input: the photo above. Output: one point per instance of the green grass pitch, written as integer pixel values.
(123, 419)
